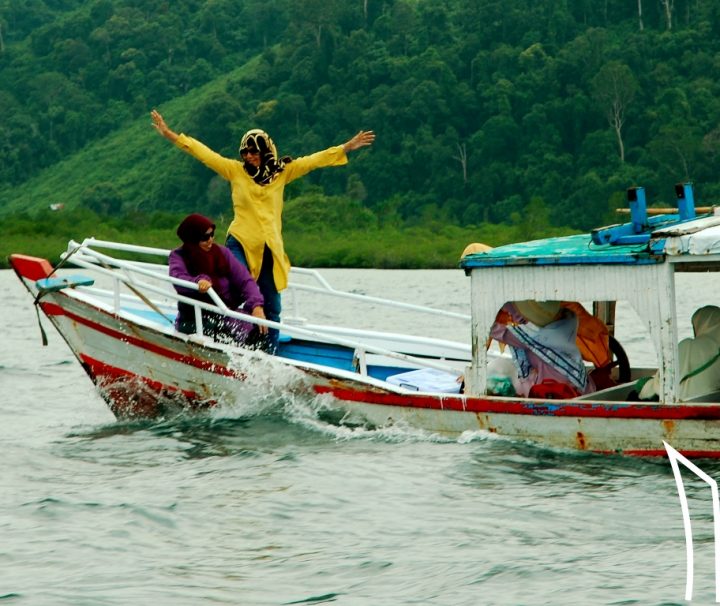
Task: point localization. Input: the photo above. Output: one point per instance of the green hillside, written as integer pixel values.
(134, 162)
(494, 120)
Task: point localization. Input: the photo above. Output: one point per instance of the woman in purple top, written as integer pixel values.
(206, 263)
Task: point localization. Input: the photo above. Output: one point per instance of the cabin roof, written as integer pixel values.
(690, 243)
(567, 250)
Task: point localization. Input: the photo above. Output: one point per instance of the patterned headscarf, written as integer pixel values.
(271, 165)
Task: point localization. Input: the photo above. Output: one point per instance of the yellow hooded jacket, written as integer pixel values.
(258, 208)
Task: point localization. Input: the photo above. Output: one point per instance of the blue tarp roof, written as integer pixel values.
(566, 250)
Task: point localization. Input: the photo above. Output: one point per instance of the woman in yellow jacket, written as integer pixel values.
(258, 182)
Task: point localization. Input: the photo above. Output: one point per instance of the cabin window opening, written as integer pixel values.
(539, 351)
(593, 353)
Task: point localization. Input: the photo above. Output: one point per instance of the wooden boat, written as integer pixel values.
(124, 338)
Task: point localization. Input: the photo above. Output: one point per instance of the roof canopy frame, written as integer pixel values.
(649, 288)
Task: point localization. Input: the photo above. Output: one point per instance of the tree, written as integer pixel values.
(534, 220)
(614, 87)
(315, 15)
(212, 120)
(355, 189)
(668, 6)
(218, 197)
(462, 158)
(676, 146)
(103, 199)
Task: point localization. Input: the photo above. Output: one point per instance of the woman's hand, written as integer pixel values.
(259, 312)
(363, 138)
(204, 285)
(159, 123)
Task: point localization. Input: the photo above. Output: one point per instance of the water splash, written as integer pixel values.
(478, 435)
(269, 384)
(320, 414)
(274, 388)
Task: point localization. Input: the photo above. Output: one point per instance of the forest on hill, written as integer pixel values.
(527, 114)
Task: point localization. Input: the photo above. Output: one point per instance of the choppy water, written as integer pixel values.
(264, 503)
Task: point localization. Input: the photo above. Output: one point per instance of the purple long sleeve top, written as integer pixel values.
(238, 286)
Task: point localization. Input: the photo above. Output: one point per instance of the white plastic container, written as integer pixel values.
(427, 379)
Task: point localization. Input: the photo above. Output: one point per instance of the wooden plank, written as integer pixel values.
(56, 284)
(701, 210)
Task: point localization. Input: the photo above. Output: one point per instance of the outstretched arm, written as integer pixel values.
(333, 156)
(224, 167)
(161, 127)
(363, 138)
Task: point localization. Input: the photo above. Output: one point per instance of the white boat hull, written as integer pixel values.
(140, 369)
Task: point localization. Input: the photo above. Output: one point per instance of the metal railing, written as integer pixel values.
(325, 288)
(133, 275)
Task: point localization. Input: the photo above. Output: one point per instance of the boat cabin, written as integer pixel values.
(634, 262)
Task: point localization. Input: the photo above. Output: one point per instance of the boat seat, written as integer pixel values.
(708, 397)
(616, 393)
(56, 284)
(328, 354)
(152, 315)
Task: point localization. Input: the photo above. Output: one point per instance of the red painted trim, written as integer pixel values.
(553, 408)
(100, 372)
(52, 309)
(142, 344)
(30, 268)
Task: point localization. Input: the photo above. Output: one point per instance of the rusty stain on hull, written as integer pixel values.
(580, 441)
(669, 428)
(484, 422)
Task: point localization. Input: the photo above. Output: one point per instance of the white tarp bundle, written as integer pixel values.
(701, 237)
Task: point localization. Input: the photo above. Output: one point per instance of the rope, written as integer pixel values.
(142, 297)
(43, 291)
(148, 302)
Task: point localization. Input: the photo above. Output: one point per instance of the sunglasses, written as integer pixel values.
(207, 236)
(250, 152)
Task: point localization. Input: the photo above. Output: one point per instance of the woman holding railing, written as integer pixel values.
(208, 264)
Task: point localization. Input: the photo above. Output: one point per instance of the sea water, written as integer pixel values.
(262, 502)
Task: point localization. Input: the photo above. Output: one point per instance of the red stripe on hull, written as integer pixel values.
(137, 342)
(553, 408)
(52, 309)
(129, 394)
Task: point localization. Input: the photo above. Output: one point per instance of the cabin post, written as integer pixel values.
(476, 373)
(668, 334)
(654, 299)
(484, 306)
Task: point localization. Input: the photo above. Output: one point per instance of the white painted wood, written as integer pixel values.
(649, 289)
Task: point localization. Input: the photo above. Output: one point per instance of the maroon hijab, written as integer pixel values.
(211, 263)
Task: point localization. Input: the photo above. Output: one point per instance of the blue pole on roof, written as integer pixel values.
(638, 208)
(686, 201)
